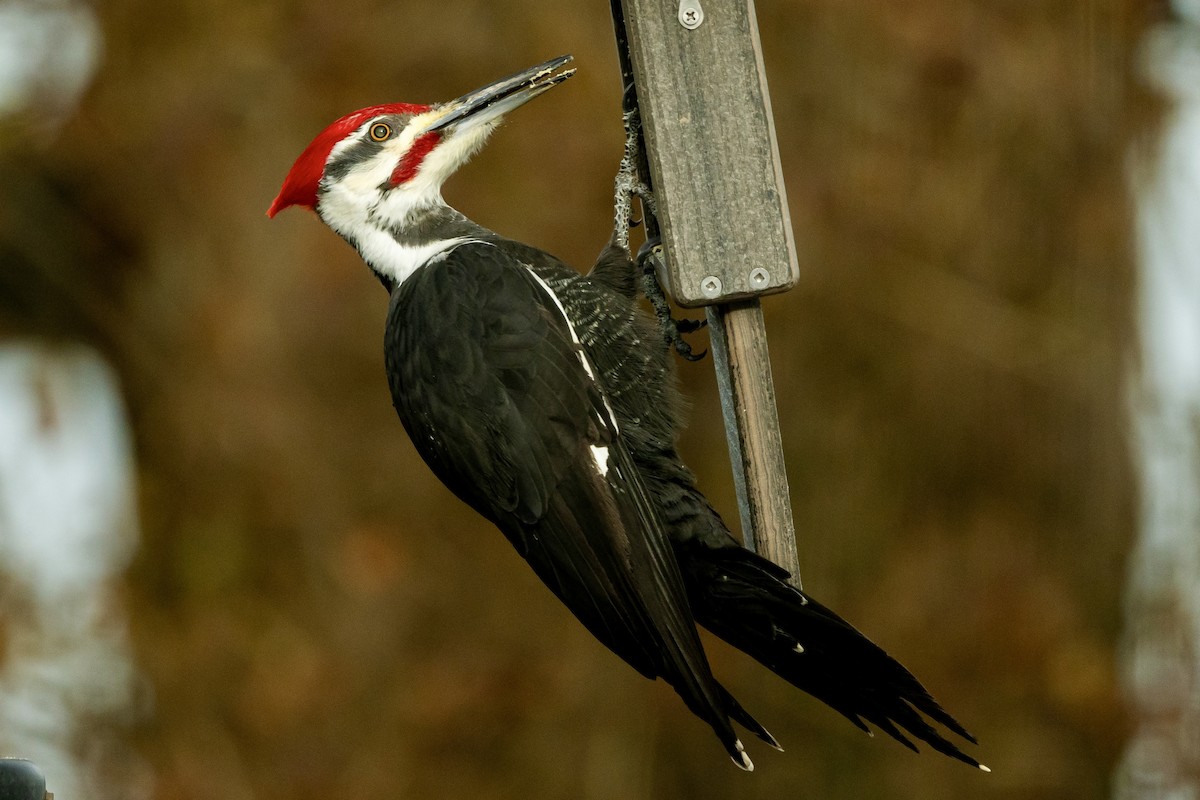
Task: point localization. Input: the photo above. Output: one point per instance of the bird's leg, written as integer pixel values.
(627, 182)
(646, 195)
(649, 258)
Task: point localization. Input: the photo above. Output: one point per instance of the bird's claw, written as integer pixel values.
(649, 258)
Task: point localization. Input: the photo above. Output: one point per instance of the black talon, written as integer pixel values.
(648, 259)
(629, 96)
(647, 250)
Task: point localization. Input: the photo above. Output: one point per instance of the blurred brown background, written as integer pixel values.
(315, 617)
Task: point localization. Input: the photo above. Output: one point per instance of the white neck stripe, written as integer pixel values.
(395, 261)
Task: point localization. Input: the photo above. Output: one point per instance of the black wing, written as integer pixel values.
(501, 400)
(741, 597)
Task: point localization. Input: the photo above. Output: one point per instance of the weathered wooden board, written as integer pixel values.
(723, 216)
(714, 161)
(743, 365)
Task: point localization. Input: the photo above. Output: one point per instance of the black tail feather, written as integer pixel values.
(743, 718)
(887, 727)
(744, 600)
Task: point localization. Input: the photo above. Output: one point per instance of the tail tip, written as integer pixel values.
(770, 740)
(741, 759)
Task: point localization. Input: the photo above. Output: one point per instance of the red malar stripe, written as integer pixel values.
(407, 169)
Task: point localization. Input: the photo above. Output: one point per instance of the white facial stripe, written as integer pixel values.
(454, 150)
(365, 178)
(437, 166)
(363, 211)
(351, 140)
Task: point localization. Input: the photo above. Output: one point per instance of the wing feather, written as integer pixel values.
(497, 394)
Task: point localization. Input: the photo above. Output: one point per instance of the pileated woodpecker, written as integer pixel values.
(546, 401)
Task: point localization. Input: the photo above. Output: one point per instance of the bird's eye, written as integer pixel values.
(380, 131)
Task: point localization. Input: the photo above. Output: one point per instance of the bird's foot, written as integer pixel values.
(649, 259)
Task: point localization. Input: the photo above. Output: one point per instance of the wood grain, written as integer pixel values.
(743, 366)
(714, 160)
(722, 212)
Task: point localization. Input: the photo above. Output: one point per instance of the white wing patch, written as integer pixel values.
(600, 456)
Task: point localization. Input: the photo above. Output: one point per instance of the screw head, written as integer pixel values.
(759, 278)
(710, 287)
(21, 780)
(690, 15)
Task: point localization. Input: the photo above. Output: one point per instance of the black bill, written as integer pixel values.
(504, 95)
